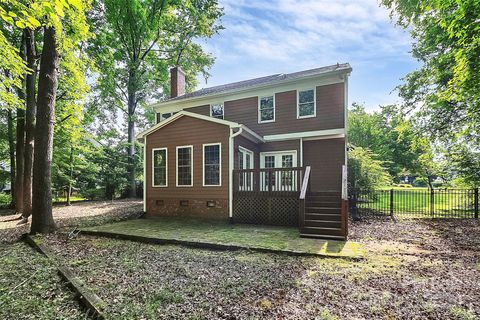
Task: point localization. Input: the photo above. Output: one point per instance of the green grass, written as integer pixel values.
(216, 232)
(72, 199)
(416, 202)
(30, 287)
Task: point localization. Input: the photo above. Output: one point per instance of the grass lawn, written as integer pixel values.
(412, 270)
(30, 287)
(416, 202)
(216, 232)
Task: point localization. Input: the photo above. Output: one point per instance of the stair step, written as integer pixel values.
(322, 231)
(318, 236)
(323, 223)
(333, 210)
(321, 203)
(324, 193)
(336, 199)
(323, 216)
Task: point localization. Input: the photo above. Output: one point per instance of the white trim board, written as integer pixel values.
(304, 135)
(180, 114)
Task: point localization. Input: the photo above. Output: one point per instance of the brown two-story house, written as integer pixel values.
(270, 150)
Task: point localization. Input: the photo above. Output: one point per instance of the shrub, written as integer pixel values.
(365, 172)
(5, 200)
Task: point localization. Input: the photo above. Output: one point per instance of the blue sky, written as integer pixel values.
(281, 36)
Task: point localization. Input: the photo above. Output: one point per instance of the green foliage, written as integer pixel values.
(392, 138)
(365, 172)
(446, 88)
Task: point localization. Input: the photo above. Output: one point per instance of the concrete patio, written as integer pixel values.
(223, 236)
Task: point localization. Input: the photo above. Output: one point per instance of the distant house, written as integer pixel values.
(270, 150)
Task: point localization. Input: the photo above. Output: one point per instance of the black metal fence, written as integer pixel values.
(415, 203)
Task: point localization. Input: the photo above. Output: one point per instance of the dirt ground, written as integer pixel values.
(78, 214)
(412, 270)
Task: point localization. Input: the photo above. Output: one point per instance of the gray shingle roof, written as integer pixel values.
(279, 77)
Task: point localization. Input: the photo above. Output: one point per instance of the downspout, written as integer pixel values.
(230, 170)
(301, 152)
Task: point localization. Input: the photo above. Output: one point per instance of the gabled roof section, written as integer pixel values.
(263, 81)
(180, 114)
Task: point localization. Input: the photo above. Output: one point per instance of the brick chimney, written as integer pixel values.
(177, 82)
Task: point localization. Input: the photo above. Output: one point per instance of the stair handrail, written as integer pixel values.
(303, 193)
(306, 178)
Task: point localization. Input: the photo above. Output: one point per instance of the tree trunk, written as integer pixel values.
(131, 135)
(29, 123)
(42, 218)
(69, 190)
(20, 147)
(11, 150)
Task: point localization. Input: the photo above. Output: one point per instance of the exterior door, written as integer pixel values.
(284, 180)
(245, 162)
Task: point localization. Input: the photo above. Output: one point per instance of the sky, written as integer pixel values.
(264, 37)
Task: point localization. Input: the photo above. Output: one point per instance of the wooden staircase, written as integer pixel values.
(323, 216)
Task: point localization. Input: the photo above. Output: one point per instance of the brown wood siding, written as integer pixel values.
(326, 158)
(280, 145)
(204, 110)
(196, 132)
(329, 104)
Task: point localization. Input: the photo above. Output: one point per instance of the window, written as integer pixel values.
(184, 166)
(266, 109)
(216, 110)
(164, 116)
(159, 167)
(306, 104)
(211, 164)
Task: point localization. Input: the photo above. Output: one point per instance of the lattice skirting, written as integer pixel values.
(269, 211)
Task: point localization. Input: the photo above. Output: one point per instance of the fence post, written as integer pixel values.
(432, 203)
(476, 203)
(391, 203)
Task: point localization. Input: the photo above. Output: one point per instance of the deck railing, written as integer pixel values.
(268, 181)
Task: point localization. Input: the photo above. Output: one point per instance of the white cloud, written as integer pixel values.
(265, 37)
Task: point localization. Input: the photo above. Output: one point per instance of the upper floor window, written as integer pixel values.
(306, 104)
(185, 166)
(216, 110)
(164, 116)
(159, 166)
(266, 109)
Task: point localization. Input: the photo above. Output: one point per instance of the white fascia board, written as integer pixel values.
(266, 89)
(142, 135)
(252, 133)
(305, 135)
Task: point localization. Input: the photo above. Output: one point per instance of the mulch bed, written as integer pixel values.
(77, 215)
(413, 270)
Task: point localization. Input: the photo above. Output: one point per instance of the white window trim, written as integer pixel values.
(258, 109)
(217, 103)
(166, 168)
(252, 155)
(280, 152)
(219, 144)
(314, 103)
(191, 166)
